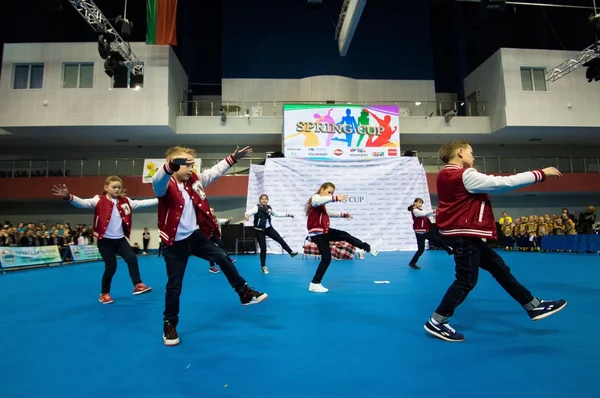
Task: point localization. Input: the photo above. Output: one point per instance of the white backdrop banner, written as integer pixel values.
(379, 193)
(255, 185)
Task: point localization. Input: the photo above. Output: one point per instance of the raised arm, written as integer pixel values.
(210, 175)
(422, 213)
(140, 204)
(83, 203)
(277, 214)
(62, 191)
(160, 180)
(318, 200)
(338, 214)
(476, 182)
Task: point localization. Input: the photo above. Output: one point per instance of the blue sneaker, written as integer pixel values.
(443, 331)
(546, 308)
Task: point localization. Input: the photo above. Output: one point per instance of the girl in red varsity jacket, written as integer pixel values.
(465, 218)
(112, 225)
(423, 231)
(321, 234)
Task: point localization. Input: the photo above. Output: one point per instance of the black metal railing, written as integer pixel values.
(516, 164)
(275, 108)
(135, 167)
(99, 167)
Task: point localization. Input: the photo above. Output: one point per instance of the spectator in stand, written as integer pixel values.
(587, 220)
(571, 216)
(146, 240)
(26, 239)
(504, 218)
(569, 225)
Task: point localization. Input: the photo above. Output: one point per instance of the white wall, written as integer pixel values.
(538, 108)
(99, 105)
(324, 88)
(488, 82)
(498, 82)
(178, 84)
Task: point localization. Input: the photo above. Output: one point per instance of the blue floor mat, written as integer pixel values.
(362, 339)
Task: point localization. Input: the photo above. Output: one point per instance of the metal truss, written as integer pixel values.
(574, 63)
(94, 17)
(341, 18)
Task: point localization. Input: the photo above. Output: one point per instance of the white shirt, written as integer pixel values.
(187, 222)
(115, 225)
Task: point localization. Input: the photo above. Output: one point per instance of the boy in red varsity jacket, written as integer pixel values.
(422, 228)
(465, 218)
(112, 224)
(186, 225)
(321, 234)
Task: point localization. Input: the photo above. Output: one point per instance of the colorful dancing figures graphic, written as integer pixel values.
(363, 120)
(384, 138)
(348, 120)
(326, 119)
(310, 141)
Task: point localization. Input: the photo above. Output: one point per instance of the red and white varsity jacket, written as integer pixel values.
(103, 207)
(170, 198)
(318, 215)
(421, 221)
(464, 206)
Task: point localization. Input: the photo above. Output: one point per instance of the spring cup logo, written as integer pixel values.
(378, 193)
(356, 198)
(8, 256)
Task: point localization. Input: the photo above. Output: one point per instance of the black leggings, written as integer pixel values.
(109, 248)
(471, 254)
(322, 242)
(432, 237)
(216, 239)
(176, 258)
(262, 242)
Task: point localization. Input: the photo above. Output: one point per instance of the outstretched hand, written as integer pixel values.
(349, 216)
(60, 190)
(242, 153)
(552, 172)
(182, 162)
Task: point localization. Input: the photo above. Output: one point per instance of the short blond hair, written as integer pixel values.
(448, 151)
(176, 150)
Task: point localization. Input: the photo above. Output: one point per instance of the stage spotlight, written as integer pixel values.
(593, 71)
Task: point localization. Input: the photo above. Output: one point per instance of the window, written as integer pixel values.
(124, 78)
(78, 75)
(533, 79)
(28, 76)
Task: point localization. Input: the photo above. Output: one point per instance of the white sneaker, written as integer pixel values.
(317, 288)
(375, 247)
(265, 270)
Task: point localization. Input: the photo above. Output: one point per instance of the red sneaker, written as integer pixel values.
(106, 299)
(140, 288)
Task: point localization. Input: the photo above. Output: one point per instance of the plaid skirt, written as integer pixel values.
(340, 250)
